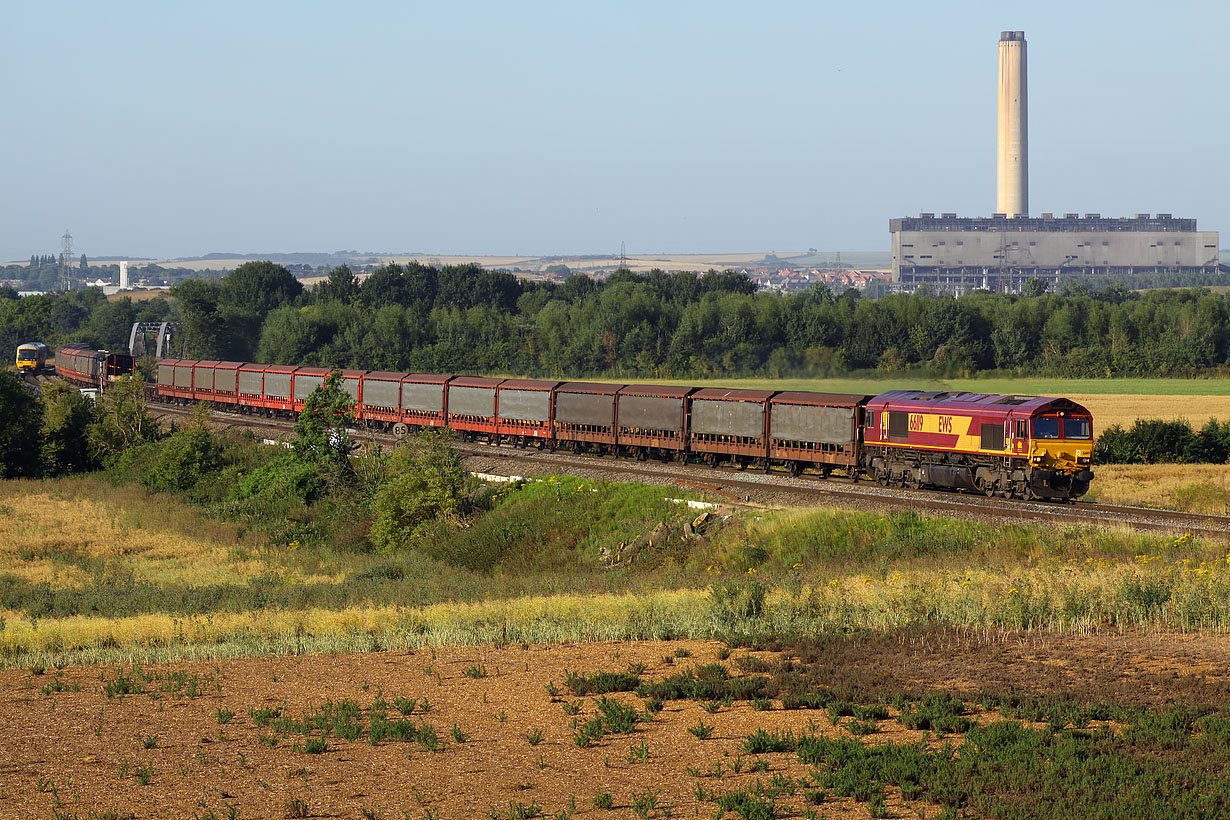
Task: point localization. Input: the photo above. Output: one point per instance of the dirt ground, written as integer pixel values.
(69, 753)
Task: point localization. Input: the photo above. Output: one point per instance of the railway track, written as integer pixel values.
(776, 489)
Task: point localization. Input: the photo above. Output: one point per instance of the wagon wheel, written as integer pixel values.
(710, 459)
(796, 468)
(911, 480)
(826, 470)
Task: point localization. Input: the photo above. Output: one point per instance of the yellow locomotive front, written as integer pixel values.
(1061, 448)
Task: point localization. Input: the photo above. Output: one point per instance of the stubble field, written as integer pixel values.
(524, 731)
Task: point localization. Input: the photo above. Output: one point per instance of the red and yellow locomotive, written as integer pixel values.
(1012, 446)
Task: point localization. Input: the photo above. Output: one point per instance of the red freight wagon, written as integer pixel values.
(652, 418)
(472, 406)
(585, 414)
(226, 382)
(165, 380)
(524, 409)
(821, 430)
(203, 380)
(277, 393)
(381, 398)
(183, 378)
(250, 386)
(424, 399)
(307, 379)
(728, 422)
(352, 384)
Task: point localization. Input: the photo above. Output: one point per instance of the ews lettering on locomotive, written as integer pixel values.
(945, 424)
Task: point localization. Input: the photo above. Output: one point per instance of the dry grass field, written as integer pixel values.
(68, 538)
(139, 295)
(1201, 488)
(1124, 409)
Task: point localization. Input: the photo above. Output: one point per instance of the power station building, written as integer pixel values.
(1002, 252)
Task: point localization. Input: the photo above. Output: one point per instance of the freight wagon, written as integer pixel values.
(84, 366)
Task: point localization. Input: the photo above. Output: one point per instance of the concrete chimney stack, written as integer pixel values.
(1012, 166)
(123, 276)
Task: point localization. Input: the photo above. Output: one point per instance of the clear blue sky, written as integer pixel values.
(177, 129)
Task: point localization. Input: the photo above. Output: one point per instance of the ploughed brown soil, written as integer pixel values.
(80, 752)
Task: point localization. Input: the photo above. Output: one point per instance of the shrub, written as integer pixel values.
(184, 459)
(429, 485)
(736, 599)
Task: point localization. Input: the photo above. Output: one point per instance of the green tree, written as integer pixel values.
(67, 416)
(20, 420)
(259, 287)
(428, 485)
(321, 427)
(122, 421)
(342, 285)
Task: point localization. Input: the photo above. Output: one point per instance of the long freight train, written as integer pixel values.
(1011, 446)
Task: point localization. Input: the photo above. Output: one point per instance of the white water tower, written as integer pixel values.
(123, 276)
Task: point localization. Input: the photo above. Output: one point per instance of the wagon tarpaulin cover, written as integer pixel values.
(471, 401)
(802, 422)
(422, 398)
(729, 416)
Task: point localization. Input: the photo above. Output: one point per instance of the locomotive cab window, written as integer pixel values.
(1046, 427)
(1020, 428)
(871, 418)
(1077, 428)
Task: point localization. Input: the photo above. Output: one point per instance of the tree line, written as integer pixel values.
(464, 319)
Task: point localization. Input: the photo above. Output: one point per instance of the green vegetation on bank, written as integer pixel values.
(293, 561)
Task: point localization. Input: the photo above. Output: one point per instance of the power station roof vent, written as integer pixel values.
(1048, 216)
(1071, 216)
(925, 215)
(948, 216)
(1093, 216)
(1142, 216)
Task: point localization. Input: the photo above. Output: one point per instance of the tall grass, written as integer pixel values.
(544, 579)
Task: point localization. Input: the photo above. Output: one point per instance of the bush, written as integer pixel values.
(1157, 441)
(736, 599)
(184, 459)
(428, 485)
